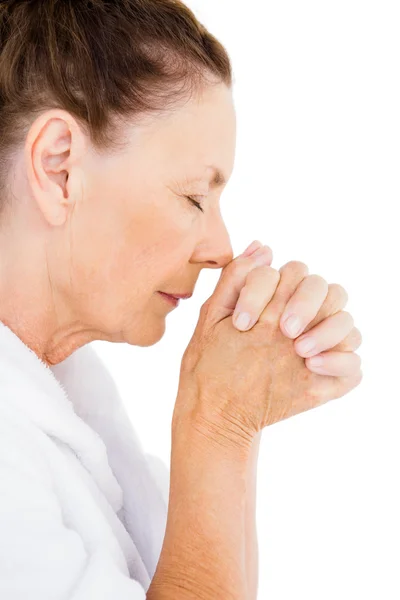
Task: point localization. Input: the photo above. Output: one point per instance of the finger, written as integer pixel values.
(336, 364)
(327, 388)
(326, 335)
(351, 343)
(252, 248)
(291, 276)
(222, 302)
(304, 305)
(335, 301)
(259, 288)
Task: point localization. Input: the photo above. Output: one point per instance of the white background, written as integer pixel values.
(317, 179)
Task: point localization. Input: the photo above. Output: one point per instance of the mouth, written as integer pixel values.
(171, 299)
(179, 296)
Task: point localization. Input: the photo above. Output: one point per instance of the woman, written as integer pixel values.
(117, 138)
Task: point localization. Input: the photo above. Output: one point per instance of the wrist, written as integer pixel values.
(217, 436)
(203, 554)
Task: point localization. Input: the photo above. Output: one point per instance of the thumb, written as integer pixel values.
(223, 301)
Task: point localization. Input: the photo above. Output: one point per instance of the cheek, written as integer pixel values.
(139, 260)
(157, 243)
(133, 247)
(170, 253)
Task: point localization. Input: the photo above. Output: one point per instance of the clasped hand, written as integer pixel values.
(324, 333)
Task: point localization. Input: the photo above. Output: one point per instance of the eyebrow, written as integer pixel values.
(219, 178)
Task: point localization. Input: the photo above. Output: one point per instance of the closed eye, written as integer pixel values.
(195, 203)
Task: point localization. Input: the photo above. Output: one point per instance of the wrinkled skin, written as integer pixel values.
(240, 382)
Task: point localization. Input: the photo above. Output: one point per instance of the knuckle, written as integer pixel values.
(351, 343)
(348, 317)
(265, 271)
(352, 382)
(260, 282)
(356, 333)
(267, 321)
(275, 275)
(314, 277)
(239, 268)
(206, 304)
(335, 300)
(295, 266)
(236, 266)
(338, 294)
(205, 307)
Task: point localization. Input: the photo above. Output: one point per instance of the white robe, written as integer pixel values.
(82, 508)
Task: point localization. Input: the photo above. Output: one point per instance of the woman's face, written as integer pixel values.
(128, 231)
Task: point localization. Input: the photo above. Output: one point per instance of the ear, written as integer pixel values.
(54, 146)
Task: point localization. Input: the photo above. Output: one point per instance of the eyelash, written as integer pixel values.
(197, 204)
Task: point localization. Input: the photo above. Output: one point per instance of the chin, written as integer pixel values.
(146, 336)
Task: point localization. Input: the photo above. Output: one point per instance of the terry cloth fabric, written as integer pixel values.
(83, 508)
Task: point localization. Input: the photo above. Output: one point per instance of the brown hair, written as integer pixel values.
(100, 60)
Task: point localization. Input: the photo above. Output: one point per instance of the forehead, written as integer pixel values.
(200, 137)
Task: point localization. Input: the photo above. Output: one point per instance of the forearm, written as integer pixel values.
(251, 543)
(203, 554)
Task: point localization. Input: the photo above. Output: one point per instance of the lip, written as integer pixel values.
(171, 299)
(180, 296)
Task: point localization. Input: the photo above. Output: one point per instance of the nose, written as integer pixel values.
(215, 250)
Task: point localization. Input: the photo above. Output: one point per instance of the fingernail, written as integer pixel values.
(253, 246)
(293, 325)
(243, 321)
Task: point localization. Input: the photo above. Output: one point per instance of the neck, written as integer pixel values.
(33, 307)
